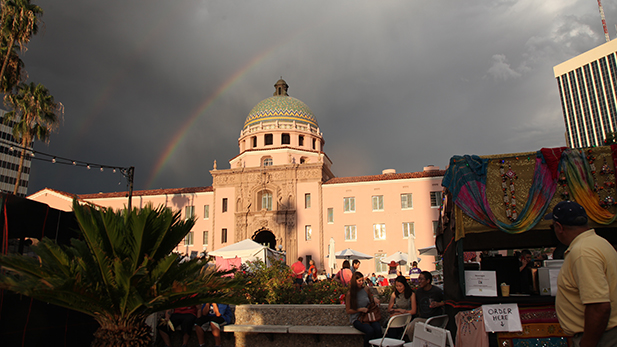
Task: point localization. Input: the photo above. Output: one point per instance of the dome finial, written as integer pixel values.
(280, 88)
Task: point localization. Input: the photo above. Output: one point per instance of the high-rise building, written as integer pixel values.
(9, 161)
(587, 87)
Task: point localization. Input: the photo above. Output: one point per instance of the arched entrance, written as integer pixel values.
(265, 237)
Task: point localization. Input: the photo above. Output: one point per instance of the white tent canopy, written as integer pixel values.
(246, 250)
(398, 257)
(351, 254)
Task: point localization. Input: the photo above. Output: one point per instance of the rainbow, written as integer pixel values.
(203, 107)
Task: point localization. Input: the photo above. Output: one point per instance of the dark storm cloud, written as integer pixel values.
(393, 84)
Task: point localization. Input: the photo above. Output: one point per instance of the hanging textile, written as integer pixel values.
(466, 179)
(581, 184)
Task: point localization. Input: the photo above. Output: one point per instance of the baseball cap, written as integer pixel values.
(568, 213)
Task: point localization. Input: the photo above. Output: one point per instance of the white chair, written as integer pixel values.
(398, 321)
(428, 335)
(440, 321)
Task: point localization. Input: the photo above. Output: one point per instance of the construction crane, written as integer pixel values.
(603, 21)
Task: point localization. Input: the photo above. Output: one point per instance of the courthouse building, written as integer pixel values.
(280, 190)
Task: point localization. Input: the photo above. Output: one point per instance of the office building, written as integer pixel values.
(587, 86)
(9, 161)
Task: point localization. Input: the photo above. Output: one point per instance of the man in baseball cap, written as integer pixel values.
(586, 301)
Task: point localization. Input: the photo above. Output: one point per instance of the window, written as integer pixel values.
(205, 241)
(189, 212)
(285, 139)
(224, 236)
(268, 161)
(206, 211)
(307, 200)
(379, 231)
(301, 140)
(408, 230)
(254, 139)
(436, 199)
(379, 266)
(188, 239)
(266, 200)
(330, 215)
(350, 233)
(406, 201)
(314, 143)
(435, 226)
(268, 139)
(349, 204)
(307, 232)
(224, 204)
(377, 202)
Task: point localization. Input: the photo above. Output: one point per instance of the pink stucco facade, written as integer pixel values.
(280, 190)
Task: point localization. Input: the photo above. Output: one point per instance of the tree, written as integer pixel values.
(121, 270)
(34, 117)
(18, 22)
(15, 72)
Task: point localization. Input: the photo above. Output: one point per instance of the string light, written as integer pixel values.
(32, 154)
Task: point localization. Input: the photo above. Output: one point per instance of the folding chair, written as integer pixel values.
(398, 321)
(440, 321)
(428, 335)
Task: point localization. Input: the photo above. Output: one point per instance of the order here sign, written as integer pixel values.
(502, 317)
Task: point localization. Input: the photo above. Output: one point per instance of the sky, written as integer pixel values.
(165, 86)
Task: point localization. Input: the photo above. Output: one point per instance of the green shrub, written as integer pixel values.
(274, 284)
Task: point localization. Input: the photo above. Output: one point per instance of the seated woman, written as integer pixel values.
(184, 317)
(402, 300)
(357, 300)
(213, 315)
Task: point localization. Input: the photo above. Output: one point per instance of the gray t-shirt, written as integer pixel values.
(363, 300)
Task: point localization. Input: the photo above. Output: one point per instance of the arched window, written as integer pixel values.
(265, 198)
(267, 161)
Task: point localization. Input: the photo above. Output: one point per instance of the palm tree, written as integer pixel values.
(18, 22)
(35, 116)
(15, 72)
(121, 270)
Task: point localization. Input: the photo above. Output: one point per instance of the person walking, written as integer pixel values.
(298, 270)
(586, 301)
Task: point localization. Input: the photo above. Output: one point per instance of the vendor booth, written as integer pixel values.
(495, 205)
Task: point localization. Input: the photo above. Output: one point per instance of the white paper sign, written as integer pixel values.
(480, 283)
(502, 317)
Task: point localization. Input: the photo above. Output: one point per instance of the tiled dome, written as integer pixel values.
(282, 107)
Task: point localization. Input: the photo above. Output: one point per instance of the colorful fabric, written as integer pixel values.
(538, 334)
(466, 176)
(580, 182)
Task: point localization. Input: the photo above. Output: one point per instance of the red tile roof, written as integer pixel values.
(386, 177)
(169, 191)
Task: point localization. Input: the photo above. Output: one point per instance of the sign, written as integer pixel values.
(502, 317)
(480, 283)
